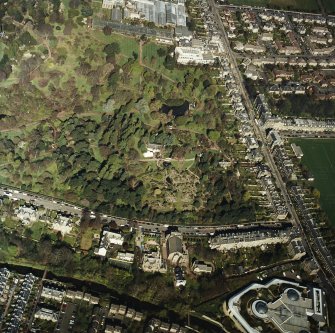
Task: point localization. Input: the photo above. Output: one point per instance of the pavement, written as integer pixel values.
(314, 248)
(258, 132)
(64, 207)
(9, 302)
(66, 317)
(271, 10)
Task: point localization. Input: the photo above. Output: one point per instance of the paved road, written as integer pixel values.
(9, 302)
(290, 134)
(37, 299)
(315, 241)
(39, 200)
(282, 56)
(314, 248)
(271, 10)
(69, 208)
(305, 53)
(248, 104)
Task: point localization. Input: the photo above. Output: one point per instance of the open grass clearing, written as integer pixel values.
(11, 223)
(86, 239)
(329, 6)
(8, 253)
(38, 228)
(319, 157)
(2, 48)
(70, 240)
(150, 52)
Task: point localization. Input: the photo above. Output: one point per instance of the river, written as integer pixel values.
(98, 289)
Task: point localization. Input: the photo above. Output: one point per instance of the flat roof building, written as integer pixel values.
(200, 267)
(46, 314)
(297, 150)
(116, 14)
(108, 4)
(289, 312)
(174, 244)
(192, 55)
(162, 12)
(53, 293)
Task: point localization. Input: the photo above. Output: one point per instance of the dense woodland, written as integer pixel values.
(304, 106)
(78, 110)
(293, 105)
(80, 106)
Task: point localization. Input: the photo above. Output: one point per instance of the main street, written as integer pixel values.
(64, 207)
(272, 10)
(314, 248)
(258, 132)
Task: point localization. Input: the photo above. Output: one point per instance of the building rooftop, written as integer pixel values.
(174, 244)
(288, 312)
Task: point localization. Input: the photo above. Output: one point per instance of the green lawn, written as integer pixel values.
(260, 3)
(149, 51)
(329, 6)
(2, 48)
(11, 223)
(304, 5)
(128, 45)
(86, 239)
(8, 253)
(38, 228)
(70, 240)
(319, 157)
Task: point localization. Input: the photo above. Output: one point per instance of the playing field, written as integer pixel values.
(319, 157)
(329, 6)
(303, 5)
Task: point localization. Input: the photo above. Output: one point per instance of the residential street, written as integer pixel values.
(306, 229)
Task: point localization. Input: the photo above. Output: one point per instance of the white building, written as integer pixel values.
(202, 268)
(108, 238)
(289, 312)
(27, 215)
(152, 150)
(112, 238)
(190, 55)
(152, 262)
(320, 30)
(296, 249)
(162, 13)
(108, 4)
(53, 293)
(274, 139)
(180, 283)
(46, 314)
(254, 48)
(297, 151)
(237, 240)
(101, 252)
(267, 37)
(63, 224)
(125, 256)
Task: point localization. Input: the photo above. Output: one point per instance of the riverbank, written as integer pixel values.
(104, 292)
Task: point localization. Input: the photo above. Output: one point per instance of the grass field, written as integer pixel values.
(86, 239)
(304, 5)
(319, 157)
(329, 6)
(38, 228)
(2, 48)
